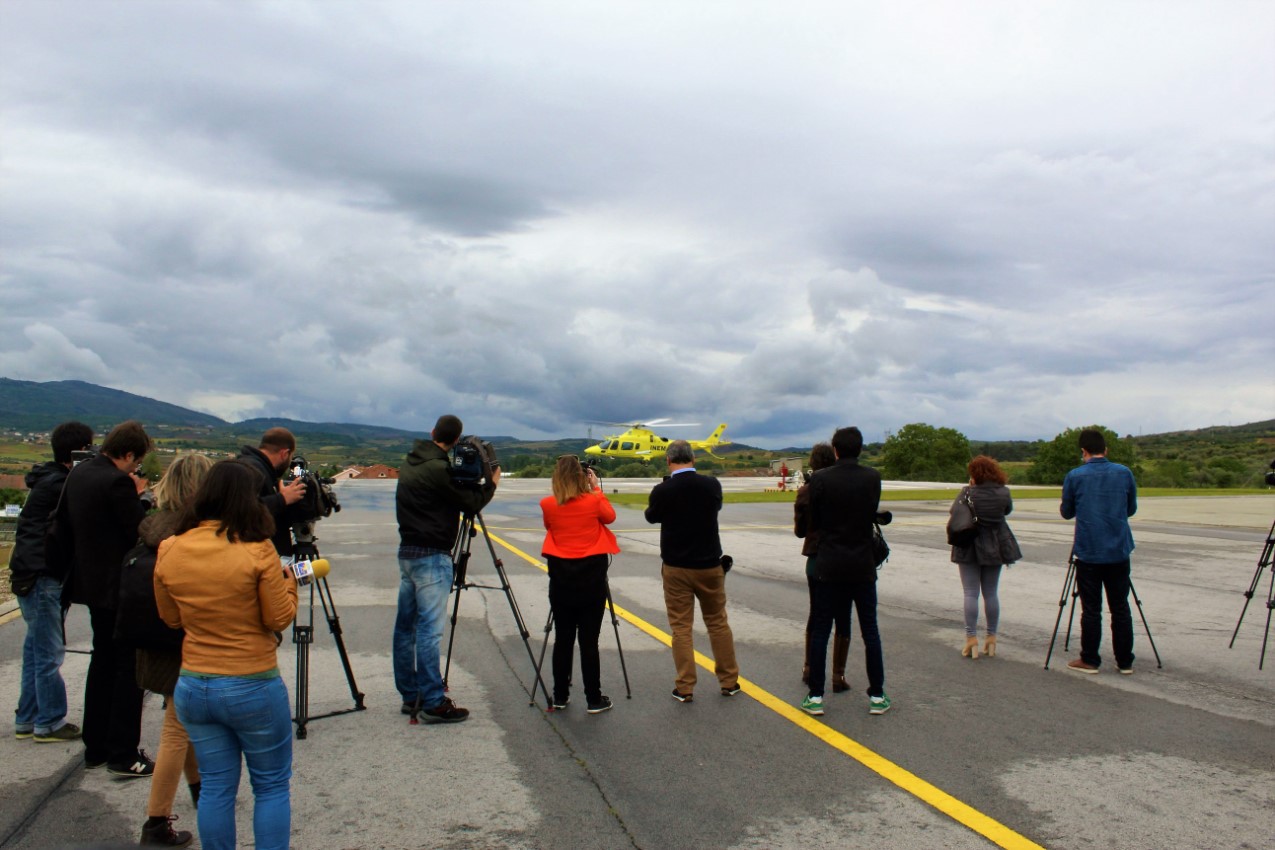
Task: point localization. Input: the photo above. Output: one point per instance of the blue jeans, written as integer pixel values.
(42, 698)
(832, 600)
(229, 719)
(1091, 580)
(418, 629)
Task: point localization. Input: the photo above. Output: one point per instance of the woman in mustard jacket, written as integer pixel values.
(577, 548)
(219, 579)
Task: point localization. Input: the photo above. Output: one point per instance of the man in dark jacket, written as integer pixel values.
(686, 504)
(271, 460)
(429, 503)
(41, 710)
(1101, 496)
(843, 503)
(100, 511)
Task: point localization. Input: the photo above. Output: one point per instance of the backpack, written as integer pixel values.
(137, 621)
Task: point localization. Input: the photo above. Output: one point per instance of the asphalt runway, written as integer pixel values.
(993, 752)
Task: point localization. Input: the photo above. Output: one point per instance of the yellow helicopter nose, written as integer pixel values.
(593, 450)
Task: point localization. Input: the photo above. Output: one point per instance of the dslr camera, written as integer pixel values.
(473, 461)
(319, 500)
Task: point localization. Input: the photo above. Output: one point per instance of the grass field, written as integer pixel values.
(944, 495)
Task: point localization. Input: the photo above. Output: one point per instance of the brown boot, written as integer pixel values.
(840, 650)
(805, 664)
(970, 650)
(989, 646)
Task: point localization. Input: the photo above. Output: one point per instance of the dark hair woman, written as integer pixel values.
(219, 579)
(980, 562)
(821, 456)
(577, 548)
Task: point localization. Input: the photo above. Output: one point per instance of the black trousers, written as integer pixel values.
(577, 595)
(1091, 580)
(112, 699)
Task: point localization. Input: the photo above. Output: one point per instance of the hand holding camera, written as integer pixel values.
(292, 491)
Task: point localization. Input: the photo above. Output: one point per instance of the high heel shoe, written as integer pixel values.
(970, 650)
(989, 646)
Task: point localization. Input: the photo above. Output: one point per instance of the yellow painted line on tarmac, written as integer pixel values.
(962, 813)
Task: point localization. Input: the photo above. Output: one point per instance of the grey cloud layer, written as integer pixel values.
(1005, 220)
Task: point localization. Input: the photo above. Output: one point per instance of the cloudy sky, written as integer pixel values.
(1004, 217)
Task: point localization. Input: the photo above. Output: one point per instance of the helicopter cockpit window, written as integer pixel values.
(613, 445)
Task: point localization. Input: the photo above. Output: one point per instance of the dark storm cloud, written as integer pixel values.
(544, 214)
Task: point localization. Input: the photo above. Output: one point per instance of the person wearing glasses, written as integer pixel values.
(578, 548)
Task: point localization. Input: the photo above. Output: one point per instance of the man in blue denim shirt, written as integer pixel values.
(429, 504)
(1101, 496)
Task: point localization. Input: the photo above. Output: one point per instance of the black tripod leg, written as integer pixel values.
(513, 606)
(303, 636)
(451, 638)
(1270, 609)
(1262, 563)
(334, 626)
(1071, 614)
(1062, 604)
(1158, 663)
(615, 624)
(540, 664)
(460, 568)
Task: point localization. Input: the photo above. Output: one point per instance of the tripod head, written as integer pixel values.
(303, 541)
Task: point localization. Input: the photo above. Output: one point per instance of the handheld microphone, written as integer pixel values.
(307, 572)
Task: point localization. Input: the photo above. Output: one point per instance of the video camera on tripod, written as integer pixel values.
(473, 461)
(319, 500)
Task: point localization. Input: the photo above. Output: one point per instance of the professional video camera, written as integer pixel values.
(319, 499)
(473, 461)
(1270, 476)
(78, 457)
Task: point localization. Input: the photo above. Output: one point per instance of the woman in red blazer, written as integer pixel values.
(578, 548)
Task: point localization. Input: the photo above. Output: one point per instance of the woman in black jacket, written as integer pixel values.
(980, 562)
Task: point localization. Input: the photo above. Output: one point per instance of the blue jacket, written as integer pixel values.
(1101, 496)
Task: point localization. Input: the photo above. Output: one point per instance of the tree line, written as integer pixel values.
(922, 452)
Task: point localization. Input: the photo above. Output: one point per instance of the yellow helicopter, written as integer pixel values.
(641, 443)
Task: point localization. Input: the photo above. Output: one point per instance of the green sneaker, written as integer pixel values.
(65, 732)
(878, 705)
(812, 705)
(23, 734)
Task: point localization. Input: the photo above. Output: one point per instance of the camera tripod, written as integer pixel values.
(469, 526)
(1262, 562)
(1070, 588)
(303, 635)
(615, 624)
